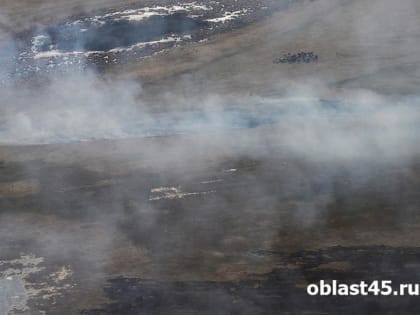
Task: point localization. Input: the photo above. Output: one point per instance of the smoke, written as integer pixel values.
(82, 107)
(189, 183)
(77, 106)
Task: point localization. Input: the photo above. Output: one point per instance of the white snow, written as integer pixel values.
(146, 12)
(57, 53)
(230, 170)
(173, 193)
(211, 181)
(160, 41)
(228, 16)
(17, 286)
(38, 41)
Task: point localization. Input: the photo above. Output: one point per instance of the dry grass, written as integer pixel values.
(19, 188)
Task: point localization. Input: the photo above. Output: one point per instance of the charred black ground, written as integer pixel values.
(282, 289)
(214, 232)
(120, 33)
(102, 38)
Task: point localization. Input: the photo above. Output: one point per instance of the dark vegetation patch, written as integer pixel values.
(278, 292)
(301, 57)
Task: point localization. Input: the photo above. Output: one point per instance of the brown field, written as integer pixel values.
(228, 222)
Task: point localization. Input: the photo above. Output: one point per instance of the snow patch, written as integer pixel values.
(146, 12)
(173, 193)
(228, 16)
(17, 286)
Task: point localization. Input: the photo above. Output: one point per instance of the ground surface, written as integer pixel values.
(217, 221)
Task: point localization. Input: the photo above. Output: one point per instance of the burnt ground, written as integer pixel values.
(106, 40)
(282, 290)
(236, 236)
(112, 227)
